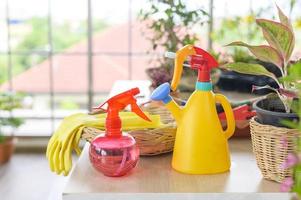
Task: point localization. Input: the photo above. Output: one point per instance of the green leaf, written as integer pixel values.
(297, 180)
(250, 68)
(290, 124)
(294, 75)
(278, 36)
(284, 19)
(286, 22)
(2, 138)
(295, 71)
(262, 52)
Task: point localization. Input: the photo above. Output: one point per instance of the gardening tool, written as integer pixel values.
(201, 145)
(67, 137)
(243, 112)
(115, 153)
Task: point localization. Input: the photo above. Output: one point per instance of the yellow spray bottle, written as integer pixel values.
(201, 145)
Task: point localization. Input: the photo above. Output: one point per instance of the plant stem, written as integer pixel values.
(285, 102)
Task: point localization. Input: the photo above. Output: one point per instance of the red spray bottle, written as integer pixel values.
(115, 153)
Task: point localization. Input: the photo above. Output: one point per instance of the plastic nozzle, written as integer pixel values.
(181, 56)
(134, 91)
(116, 104)
(161, 93)
(203, 62)
(170, 54)
(199, 59)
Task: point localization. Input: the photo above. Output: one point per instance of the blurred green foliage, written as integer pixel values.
(240, 55)
(68, 104)
(8, 102)
(171, 23)
(239, 28)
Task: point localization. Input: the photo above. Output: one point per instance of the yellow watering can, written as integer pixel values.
(201, 145)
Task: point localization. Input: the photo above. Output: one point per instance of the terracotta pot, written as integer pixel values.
(6, 150)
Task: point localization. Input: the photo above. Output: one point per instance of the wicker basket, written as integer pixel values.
(150, 141)
(269, 150)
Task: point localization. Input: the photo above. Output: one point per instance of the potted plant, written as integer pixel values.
(8, 102)
(293, 160)
(267, 128)
(242, 27)
(170, 25)
(281, 41)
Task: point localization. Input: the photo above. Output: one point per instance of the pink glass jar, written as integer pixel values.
(114, 155)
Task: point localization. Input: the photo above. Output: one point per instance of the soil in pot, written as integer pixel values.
(6, 150)
(271, 111)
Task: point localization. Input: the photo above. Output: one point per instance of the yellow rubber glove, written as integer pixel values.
(67, 136)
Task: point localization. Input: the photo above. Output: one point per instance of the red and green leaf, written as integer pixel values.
(286, 22)
(249, 68)
(262, 52)
(284, 19)
(288, 93)
(282, 91)
(278, 36)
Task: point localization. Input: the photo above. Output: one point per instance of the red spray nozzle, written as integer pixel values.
(199, 59)
(118, 103)
(203, 62)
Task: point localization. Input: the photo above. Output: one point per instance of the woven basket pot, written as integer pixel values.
(270, 149)
(150, 141)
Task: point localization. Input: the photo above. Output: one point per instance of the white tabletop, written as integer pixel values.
(155, 175)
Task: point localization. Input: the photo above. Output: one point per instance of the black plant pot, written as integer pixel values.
(272, 112)
(233, 81)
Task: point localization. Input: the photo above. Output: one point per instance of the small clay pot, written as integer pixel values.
(271, 112)
(6, 150)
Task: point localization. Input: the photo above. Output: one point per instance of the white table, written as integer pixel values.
(154, 178)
